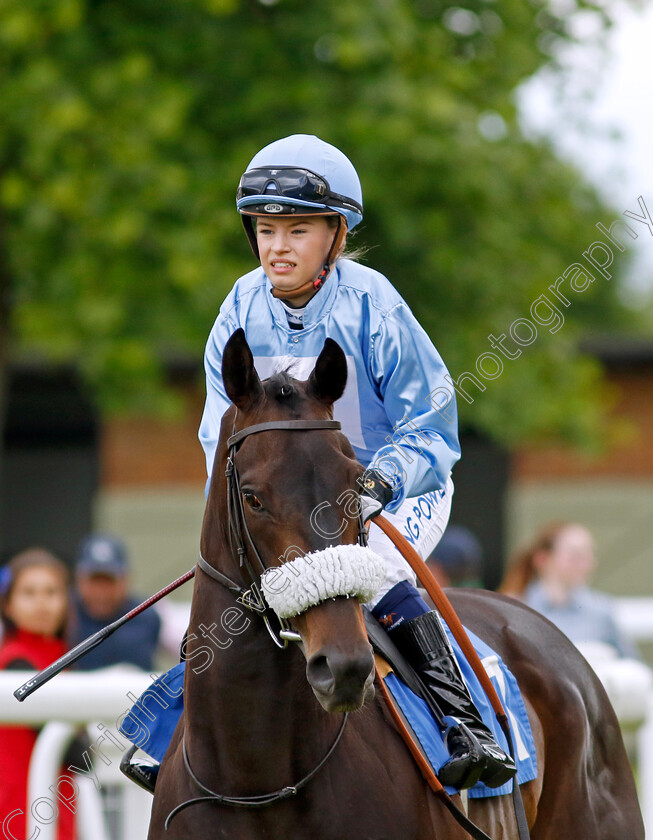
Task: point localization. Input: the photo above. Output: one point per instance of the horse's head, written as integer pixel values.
(300, 507)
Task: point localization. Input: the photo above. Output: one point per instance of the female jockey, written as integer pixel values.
(298, 199)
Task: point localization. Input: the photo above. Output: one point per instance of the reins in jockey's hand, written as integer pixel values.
(375, 492)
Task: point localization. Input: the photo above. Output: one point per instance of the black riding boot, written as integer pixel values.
(144, 773)
(475, 755)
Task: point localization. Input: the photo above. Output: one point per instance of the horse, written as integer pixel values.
(294, 742)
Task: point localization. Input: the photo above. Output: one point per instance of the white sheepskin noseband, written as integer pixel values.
(293, 587)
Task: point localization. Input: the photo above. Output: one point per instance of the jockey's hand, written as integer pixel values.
(375, 492)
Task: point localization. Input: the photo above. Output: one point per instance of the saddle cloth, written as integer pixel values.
(151, 721)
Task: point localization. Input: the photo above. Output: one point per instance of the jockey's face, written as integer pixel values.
(293, 251)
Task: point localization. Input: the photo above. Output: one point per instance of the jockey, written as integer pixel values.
(298, 200)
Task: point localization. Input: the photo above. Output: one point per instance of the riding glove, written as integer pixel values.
(375, 494)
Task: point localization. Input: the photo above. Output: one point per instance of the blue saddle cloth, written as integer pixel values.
(151, 721)
(153, 718)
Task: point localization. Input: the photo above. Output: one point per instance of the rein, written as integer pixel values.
(257, 801)
(439, 598)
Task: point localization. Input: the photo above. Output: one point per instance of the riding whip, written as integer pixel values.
(93, 641)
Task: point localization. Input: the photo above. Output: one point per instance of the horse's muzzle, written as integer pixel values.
(341, 682)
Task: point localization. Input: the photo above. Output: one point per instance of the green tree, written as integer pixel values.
(126, 125)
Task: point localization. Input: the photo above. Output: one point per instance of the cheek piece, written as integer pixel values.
(310, 285)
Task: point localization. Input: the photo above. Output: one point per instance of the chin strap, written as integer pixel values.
(310, 285)
(338, 238)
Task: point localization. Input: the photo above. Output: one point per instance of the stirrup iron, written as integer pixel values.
(141, 772)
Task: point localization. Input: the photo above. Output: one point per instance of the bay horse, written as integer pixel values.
(265, 726)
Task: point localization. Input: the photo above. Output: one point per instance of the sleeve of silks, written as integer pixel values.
(217, 401)
(420, 402)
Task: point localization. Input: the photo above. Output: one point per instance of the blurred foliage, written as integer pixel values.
(125, 127)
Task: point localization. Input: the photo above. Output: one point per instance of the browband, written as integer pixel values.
(282, 424)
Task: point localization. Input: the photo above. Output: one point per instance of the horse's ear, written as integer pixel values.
(329, 377)
(241, 381)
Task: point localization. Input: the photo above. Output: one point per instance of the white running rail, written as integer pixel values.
(94, 701)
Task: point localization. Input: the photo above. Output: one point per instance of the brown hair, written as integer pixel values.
(29, 559)
(521, 569)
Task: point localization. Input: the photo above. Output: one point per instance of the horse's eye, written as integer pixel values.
(252, 501)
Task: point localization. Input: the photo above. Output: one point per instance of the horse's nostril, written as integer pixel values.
(319, 673)
(336, 674)
(361, 667)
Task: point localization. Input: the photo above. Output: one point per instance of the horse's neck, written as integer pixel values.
(251, 718)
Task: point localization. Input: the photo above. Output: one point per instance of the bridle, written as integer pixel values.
(252, 598)
(239, 536)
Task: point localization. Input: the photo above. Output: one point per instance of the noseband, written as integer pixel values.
(239, 534)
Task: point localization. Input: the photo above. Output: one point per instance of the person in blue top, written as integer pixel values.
(298, 199)
(101, 597)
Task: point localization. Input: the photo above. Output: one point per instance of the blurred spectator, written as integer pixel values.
(552, 574)
(33, 610)
(101, 578)
(457, 560)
